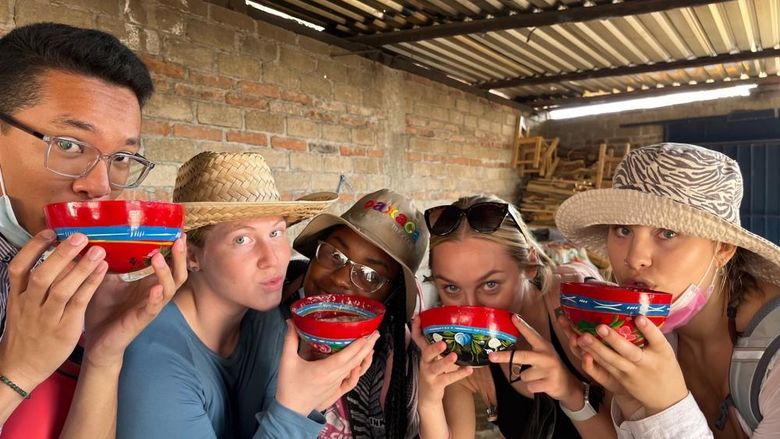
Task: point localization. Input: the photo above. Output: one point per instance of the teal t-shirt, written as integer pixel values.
(173, 386)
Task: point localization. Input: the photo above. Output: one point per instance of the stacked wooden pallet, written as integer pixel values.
(553, 179)
(542, 196)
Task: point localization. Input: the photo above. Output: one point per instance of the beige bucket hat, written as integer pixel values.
(686, 188)
(216, 187)
(386, 219)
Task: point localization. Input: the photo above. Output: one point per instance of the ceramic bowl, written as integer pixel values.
(130, 231)
(330, 322)
(472, 332)
(588, 305)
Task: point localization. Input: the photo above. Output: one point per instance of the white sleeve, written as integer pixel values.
(682, 420)
(769, 403)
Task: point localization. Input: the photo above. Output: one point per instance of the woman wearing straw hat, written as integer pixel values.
(671, 223)
(217, 362)
(372, 250)
(482, 254)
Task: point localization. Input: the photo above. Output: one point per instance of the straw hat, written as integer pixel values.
(686, 188)
(386, 219)
(217, 187)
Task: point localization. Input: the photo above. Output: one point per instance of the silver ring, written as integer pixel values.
(492, 413)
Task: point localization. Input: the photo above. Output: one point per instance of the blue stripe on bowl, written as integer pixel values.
(469, 330)
(334, 306)
(122, 233)
(587, 303)
(330, 341)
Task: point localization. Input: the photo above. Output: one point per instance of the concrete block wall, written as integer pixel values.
(227, 82)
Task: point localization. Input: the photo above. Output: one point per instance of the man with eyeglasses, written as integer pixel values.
(70, 118)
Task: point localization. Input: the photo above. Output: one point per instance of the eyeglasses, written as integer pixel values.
(362, 276)
(482, 217)
(71, 158)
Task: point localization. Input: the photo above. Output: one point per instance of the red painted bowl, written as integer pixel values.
(472, 332)
(130, 231)
(330, 322)
(588, 305)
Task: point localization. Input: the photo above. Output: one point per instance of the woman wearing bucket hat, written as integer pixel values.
(482, 254)
(217, 362)
(671, 223)
(372, 250)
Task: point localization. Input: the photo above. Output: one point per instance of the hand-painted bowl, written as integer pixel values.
(330, 322)
(472, 332)
(588, 305)
(129, 231)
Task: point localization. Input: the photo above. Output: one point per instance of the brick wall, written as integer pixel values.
(226, 82)
(587, 133)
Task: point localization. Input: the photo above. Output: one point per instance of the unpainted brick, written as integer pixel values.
(304, 161)
(232, 18)
(191, 55)
(170, 20)
(278, 74)
(302, 128)
(264, 121)
(295, 59)
(239, 66)
(32, 11)
(165, 149)
(197, 132)
(168, 107)
(316, 85)
(211, 34)
(348, 94)
(336, 133)
(220, 115)
(272, 32)
(262, 48)
(259, 139)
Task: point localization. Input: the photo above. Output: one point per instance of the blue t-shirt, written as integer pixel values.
(173, 386)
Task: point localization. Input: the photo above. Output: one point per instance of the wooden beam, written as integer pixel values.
(726, 58)
(528, 19)
(389, 59)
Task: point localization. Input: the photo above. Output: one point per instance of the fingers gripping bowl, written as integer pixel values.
(588, 305)
(472, 332)
(131, 232)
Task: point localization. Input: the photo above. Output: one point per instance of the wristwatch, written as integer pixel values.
(586, 412)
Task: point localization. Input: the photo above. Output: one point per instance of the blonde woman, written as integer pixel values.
(483, 254)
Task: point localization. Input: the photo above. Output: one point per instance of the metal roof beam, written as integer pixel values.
(526, 20)
(378, 55)
(632, 70)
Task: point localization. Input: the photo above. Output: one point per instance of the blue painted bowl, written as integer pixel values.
(330, 322)
(472, 332)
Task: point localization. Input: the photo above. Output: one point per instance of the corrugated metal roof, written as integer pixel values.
(610, 46)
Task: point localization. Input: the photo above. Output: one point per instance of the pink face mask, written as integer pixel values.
(689, 303)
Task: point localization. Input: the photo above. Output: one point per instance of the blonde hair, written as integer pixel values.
(516, 239)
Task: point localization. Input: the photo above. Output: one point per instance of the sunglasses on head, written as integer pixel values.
(482, 217)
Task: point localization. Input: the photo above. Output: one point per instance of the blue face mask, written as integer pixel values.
(9, 226)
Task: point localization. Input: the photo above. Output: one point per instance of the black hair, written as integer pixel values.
(29, 51)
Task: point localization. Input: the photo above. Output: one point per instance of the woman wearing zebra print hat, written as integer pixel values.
(671, 223)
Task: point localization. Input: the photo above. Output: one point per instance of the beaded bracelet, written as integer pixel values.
(17, 389)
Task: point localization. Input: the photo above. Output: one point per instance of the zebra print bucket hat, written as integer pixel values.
(686, 188)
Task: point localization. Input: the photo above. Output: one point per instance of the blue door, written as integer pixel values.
(760, 165)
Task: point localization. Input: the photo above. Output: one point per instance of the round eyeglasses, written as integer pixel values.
(362, 276)
(72, 158)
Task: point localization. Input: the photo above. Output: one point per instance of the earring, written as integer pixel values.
(193, 268)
